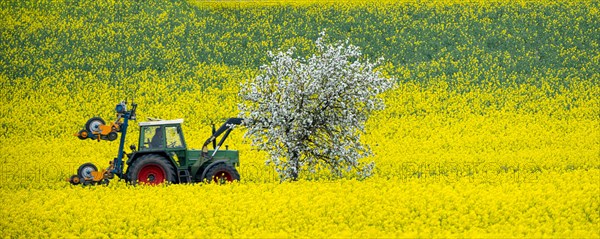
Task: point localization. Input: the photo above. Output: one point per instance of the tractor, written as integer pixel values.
(162, 156)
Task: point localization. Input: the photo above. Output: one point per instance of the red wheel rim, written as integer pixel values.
(151, 174)
(222, 175)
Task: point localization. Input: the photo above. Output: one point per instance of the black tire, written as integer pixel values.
(83, 134)
(74, 180)
(151, 169)
(84, 171)
(221, 173)
(92, 125)
(112, 136)
(104, 182)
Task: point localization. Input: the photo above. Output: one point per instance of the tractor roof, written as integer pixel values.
(161, 122)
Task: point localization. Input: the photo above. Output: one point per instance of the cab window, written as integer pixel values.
(173, 137)
(153, 137)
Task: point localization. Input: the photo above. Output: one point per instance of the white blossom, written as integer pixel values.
(309, 113)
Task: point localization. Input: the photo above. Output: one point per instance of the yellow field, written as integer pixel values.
(490, 150)
(462, 171)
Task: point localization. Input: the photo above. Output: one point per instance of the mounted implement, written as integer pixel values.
(163, 155)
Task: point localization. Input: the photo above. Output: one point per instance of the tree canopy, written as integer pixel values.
(308, 113)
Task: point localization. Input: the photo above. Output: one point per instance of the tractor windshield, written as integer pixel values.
(174, 137)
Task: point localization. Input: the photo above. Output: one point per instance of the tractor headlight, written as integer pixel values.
(121, 108)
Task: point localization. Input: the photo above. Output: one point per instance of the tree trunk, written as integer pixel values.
(295, 165)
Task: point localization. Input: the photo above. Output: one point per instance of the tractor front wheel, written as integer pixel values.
(151, 169)
(222, 173)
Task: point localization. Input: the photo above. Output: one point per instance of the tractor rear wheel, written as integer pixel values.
(93, 124)
(151, 169)
(222, 173)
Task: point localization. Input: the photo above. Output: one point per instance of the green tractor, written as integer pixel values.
(163, 155)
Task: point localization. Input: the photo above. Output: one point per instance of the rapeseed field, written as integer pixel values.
(492, 131)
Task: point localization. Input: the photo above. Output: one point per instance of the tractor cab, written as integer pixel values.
(163, 135)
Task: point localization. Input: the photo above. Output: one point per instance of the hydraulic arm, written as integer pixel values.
(225, 128)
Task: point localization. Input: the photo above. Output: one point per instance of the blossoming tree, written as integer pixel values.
(308, 113)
